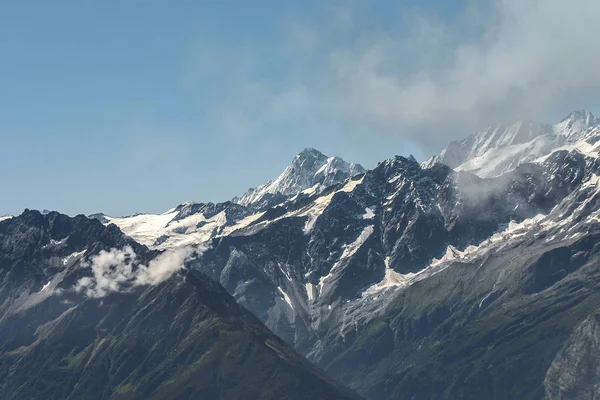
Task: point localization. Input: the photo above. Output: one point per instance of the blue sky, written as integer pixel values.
(136, 106)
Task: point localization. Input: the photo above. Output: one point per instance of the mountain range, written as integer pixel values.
(471, 275)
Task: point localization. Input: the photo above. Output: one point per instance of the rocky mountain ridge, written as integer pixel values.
(421, 281)
(181, 336)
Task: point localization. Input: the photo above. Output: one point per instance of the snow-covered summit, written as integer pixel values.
(502, 148)
(310, 168)
(576, 123)
(495, 136)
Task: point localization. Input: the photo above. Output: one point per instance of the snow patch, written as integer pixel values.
(497, 161)
(582, 146)
(144, 228)
(46, 286)
(242, 223)
(314, 210)
(311, 190)
(58, 242)
(28, 300)
(592, 182)
(310, 291)
(287, 276)
(285, 297)
(394, 179)
(192, 230)
(72, 257)
(348, 252)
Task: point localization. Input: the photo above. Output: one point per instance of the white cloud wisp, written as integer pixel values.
(117, 270)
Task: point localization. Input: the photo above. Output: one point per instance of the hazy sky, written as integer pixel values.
(136, 106)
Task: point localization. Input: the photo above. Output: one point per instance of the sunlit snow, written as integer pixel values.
(348, 252)
(285, 297)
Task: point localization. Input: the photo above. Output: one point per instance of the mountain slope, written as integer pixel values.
(574, 373)
(490, 322)
(294, 264)
(183, 337)
(425, 281)
(331, 274)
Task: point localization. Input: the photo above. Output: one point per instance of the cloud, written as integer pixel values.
(163, 266)
(422, 77)
(119, 270)
(528, 56)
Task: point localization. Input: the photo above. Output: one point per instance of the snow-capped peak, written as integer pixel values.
(501, 148)
(309, 154)
(583, 115)
(493, 137)
(576, 123)
(309, 168)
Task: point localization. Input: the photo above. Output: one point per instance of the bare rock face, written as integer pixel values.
(575, 372)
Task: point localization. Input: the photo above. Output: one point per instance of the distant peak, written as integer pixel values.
(309, 152)
(309, 168)
(398, 160)
(186, 205)
(576, 124)
(582, 115)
